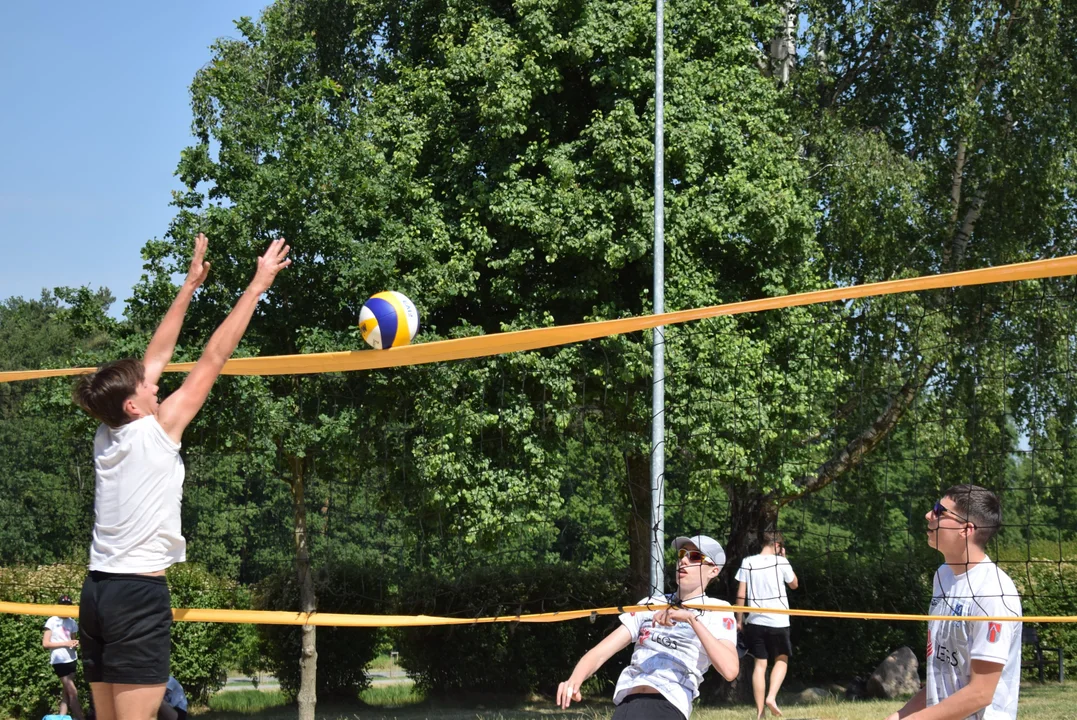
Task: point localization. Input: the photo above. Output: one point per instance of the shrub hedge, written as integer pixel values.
(201, 652)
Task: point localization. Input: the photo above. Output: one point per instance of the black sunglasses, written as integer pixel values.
(939, 510)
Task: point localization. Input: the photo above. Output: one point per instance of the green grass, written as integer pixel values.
(384, 663)
(392, 696)
(246, 702)
(1037, 701)
(1041, 549)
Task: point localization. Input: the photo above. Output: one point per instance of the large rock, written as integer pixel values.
(810, 696)
(897, 675)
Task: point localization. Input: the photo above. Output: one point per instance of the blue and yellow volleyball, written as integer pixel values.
(388, 319)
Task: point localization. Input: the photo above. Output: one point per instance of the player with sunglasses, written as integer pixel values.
(973, 667)
(673, 646)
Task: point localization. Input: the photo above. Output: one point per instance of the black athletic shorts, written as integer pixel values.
(182, 714)
(124, 624)
(646, 706)
(766, 642)
(65, 669)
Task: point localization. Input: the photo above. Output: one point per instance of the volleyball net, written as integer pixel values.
(505, 478)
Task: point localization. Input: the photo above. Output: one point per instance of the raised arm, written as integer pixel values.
(177, 411)
(159, 351)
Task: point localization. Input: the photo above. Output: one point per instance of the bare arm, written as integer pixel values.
(968, 700)
(589, 664)
(916, 703)
(794, 583)
(163, 343)
(179, 409)
(48, 643)
(742, 597)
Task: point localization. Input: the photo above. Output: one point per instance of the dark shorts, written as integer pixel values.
(646, 706)
(65, 669)
(767, 642)
(124, 624)
(181, 714)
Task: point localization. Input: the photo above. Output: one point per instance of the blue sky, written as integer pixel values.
(96, 111)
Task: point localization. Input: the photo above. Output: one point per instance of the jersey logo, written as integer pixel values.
(930, 649)
(994, 630)
(727, 623)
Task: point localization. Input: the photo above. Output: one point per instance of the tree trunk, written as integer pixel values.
(638, 471)
(308, 602)
(750, 515)
(783, 46)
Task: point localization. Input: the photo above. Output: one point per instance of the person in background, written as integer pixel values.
(59, 637)
(763, 578)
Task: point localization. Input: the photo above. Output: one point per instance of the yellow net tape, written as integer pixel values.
(500, 343)
(269, 617)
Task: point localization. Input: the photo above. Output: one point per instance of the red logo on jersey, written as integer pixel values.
(930, 649)
(993, 631)
(727, 623)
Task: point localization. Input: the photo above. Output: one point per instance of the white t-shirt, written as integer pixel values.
(952, 644)
(766, 577)
(63, 629)
(672, 659)
(174, 694)
(137, 499)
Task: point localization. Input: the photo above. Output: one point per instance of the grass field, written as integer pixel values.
(400, 703)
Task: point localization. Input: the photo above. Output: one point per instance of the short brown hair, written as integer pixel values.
(772, 537)
(981, 507)
(103, 393)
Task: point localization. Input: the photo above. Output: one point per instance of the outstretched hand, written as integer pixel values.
(199, 270)
(272, 262)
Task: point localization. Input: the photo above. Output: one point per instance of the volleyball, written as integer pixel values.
(388, 319)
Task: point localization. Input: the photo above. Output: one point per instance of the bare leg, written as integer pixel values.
(71, 695)
(63, 701)
(102, 700)
(777, 677)
(137, 702)
(759, 685)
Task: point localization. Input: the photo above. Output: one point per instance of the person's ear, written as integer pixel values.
(131, 409)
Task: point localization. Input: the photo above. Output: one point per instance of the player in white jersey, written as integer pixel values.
(973, 667)
(762, 579)
(125, 609)
(674, 646)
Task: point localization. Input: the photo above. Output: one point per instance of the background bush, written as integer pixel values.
(28, 686)
(203, 653)
(509, 658)
(343, 653)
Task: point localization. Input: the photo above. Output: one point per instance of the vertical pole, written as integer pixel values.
(658, 398)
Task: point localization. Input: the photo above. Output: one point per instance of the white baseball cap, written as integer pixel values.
(707, 545)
